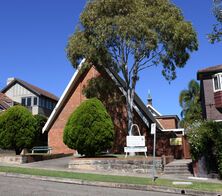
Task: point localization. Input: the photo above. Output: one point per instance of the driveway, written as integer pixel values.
(59, 163)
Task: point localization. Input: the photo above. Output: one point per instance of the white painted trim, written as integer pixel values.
(154, 109)
(220, 80)
(159, 123)
(58, 105)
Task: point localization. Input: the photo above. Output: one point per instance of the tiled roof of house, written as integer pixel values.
(5, 102)
(212, 69)
(209, 71)
(32, 88)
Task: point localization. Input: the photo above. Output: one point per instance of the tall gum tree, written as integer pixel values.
(216, 35)
(130, 36)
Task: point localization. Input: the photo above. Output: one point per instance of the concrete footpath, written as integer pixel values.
(61, 164)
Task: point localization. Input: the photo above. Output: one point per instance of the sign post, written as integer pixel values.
(153, 132)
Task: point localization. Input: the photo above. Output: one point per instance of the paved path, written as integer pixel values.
(60, 163)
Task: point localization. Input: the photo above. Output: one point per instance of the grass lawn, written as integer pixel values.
(111, 178)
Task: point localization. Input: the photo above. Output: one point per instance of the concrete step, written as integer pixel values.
(179, 167)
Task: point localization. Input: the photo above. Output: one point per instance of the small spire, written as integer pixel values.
(149, 99)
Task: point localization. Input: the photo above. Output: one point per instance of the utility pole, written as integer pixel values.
(153, 132)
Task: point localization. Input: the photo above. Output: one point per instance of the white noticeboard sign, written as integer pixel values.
(135, 141)
(153, 128)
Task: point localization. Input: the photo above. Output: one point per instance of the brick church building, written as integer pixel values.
(73, 96)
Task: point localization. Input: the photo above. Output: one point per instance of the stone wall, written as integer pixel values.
(13, 159)
(124, 165)
(29, 158)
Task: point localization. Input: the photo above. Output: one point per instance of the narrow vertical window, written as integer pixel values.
(216, 83)
(35, 101)
(23, 101)
(217, 80)
(29, 101)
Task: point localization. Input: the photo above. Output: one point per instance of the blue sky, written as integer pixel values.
(34, 34)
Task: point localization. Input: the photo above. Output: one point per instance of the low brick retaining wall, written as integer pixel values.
(124, 165)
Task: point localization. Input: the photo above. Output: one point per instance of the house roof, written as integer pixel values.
(34, 89)
(139, 106)
(208, 71)
(168, 116)
(5, 102)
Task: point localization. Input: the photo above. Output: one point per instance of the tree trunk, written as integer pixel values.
(129, 106)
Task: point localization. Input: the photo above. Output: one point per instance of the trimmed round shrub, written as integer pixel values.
(17, 129)
(89, 129)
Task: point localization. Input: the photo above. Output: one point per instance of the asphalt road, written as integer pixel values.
(10, 186)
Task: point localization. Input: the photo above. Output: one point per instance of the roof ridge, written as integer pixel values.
(33, 88)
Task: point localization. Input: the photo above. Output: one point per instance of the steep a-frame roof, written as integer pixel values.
(34, 89)
(139, 106)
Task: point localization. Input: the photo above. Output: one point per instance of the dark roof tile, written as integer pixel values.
(203, 73)
(32, 88)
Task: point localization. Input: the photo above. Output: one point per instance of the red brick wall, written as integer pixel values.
(218, 99)
(55, 136)
(168, 123)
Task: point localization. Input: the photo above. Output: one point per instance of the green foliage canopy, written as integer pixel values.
(89, 129)
(205, 139)
(189, 100)
(130, 36)
(17, 129)
(150, 31)
(216, 34)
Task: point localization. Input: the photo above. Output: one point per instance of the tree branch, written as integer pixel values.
(142, 68)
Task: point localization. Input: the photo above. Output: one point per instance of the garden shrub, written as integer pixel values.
(89, 129)
(17, 129)
(205, 139)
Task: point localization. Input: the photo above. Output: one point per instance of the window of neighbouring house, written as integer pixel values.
(35, 101)
(23, 102)
(217, 82)
(29, 101)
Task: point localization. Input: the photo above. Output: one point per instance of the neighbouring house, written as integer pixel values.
(211, 92)
(5, 102)
(143, 117)
(37, 100)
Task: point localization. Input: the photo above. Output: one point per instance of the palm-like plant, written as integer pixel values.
(189, 100)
